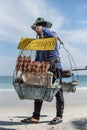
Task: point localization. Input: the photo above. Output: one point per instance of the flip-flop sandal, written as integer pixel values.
(55, 121)
(29, 121)
(25, 119)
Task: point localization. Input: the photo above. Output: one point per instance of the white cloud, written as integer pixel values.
(73, 40)
(76, 36)
(83, 22)
(16, 18)
(80, 60)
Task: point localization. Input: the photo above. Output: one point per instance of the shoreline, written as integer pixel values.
(12, 89)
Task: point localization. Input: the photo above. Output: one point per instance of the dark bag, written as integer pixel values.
(66, 73)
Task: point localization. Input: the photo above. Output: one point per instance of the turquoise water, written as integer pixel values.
(6, 82)
(82, 81)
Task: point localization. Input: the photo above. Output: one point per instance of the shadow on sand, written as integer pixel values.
(2, 128)
(12, 121)
(8, 123)
(80, 124)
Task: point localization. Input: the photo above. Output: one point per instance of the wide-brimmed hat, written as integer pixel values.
(42, 22)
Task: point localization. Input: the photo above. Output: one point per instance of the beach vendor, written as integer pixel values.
(41, 27)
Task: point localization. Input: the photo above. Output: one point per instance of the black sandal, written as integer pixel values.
(55, 121)
(25, 119)
(29, 121)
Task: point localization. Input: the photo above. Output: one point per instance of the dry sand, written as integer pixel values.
(12, 110)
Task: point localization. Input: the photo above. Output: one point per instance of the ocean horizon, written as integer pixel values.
(6, 83)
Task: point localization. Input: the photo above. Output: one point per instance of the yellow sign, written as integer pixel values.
(37, 44)
(24, 42)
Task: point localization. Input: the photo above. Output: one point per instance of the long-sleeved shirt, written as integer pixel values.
(42, 55)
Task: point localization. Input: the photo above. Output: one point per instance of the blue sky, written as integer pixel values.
(69, 20)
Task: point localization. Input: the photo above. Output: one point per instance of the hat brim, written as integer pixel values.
(43, 23)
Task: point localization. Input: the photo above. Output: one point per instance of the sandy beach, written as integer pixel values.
(12, 110)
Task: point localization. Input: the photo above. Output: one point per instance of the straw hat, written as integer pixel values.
(42, 22)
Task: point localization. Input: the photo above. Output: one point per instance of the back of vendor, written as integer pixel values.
(51, 54)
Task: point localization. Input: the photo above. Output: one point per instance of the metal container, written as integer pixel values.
(26, 91)
(69, 86)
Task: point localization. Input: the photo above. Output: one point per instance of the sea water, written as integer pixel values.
(6, 82)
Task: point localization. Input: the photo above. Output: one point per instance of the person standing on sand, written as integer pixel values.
(41, 28)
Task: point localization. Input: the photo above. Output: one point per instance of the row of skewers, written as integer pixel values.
(25, 64)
